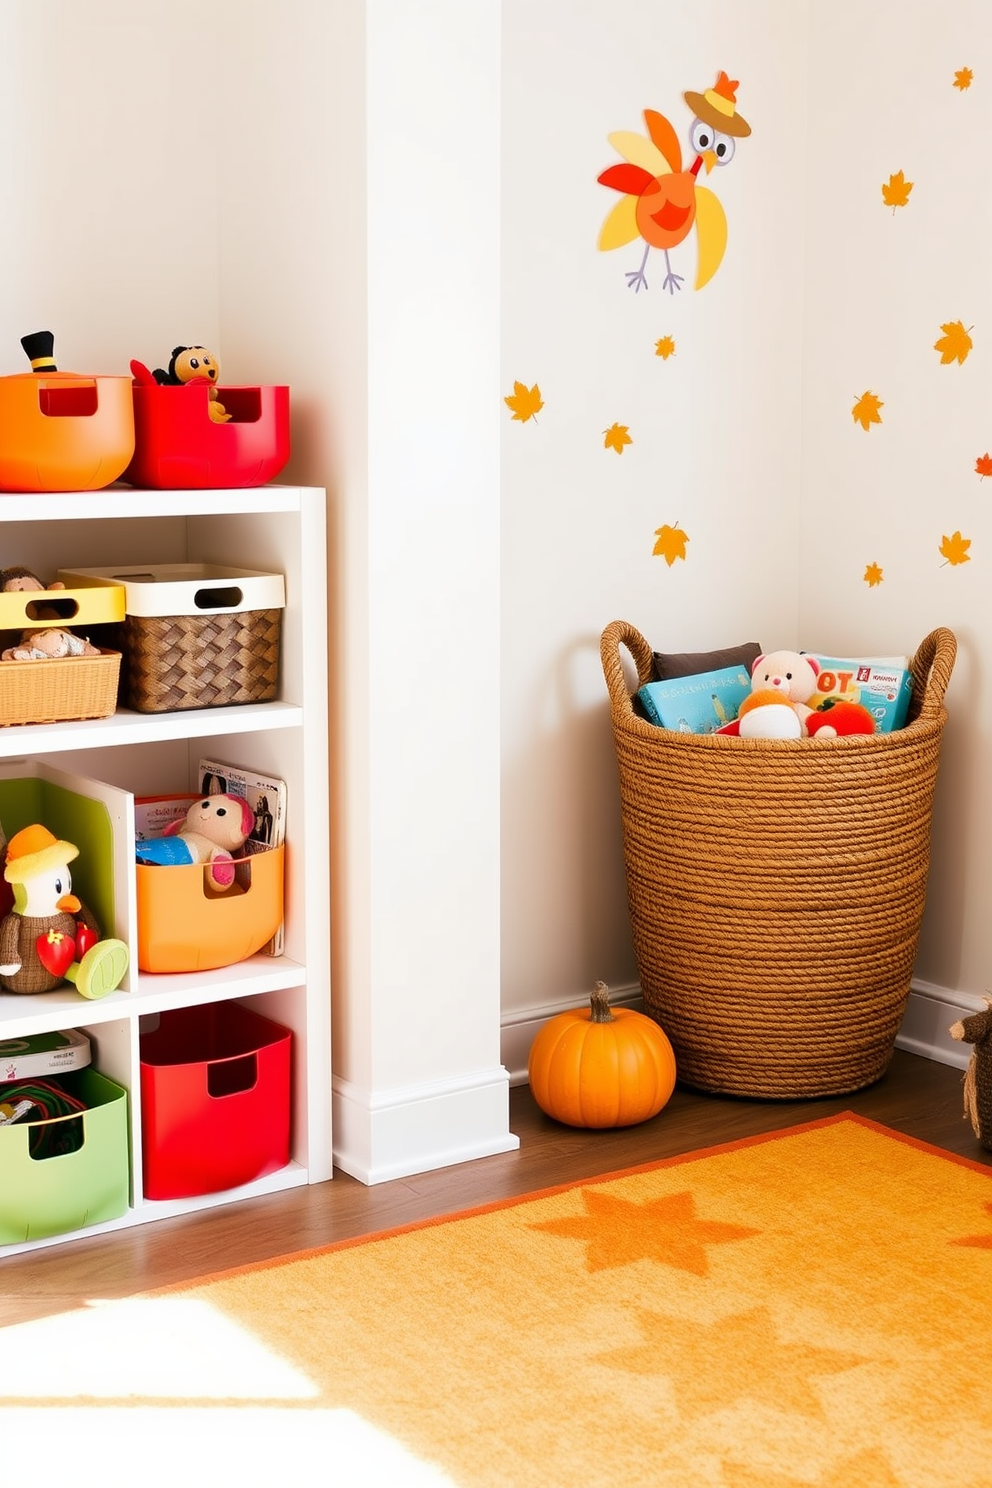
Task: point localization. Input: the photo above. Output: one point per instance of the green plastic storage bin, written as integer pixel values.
(52, 1195)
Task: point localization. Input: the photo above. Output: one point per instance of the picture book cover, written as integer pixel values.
(882, 684)
(700, 704)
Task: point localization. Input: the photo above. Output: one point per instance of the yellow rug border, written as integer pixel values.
(513, 1201)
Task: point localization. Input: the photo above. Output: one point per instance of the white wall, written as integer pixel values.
(108, 177)
(716, 432)
(880, 285)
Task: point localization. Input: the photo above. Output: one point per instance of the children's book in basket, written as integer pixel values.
(266, 795)
(882, 684)
(700, 704)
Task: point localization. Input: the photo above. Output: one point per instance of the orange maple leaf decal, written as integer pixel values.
(615, 437)
(666, 1229)
(983, 465)
(981, 1242)
(865, 410)
(955, 548)
(954, 344)
(896, 193)
(963, 77)
(664, 348)
(873, 575)
(670, 543)
(525, 402)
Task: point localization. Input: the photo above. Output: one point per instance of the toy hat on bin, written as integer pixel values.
(34, 850)
(40, 350)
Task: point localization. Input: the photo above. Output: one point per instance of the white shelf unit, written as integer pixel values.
(274, 528)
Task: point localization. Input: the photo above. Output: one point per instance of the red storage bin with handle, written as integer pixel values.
(178, 446)
(215, 1083)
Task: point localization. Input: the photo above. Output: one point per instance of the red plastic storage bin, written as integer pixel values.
(215, 1100)
(178, 446)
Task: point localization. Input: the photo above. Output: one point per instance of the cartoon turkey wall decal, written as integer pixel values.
(661, 202)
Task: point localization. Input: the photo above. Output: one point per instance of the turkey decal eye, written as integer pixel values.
(63, 883)
(723, 148)
(701, 136)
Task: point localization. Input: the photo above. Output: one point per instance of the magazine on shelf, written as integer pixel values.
(882, 684)
(699, 704)
(266, 796)
(39, 1054)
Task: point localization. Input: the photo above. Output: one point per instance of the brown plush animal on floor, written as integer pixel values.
(977, 1030)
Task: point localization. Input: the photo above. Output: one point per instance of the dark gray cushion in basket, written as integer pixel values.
(688, 663)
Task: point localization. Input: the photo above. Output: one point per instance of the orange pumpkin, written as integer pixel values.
(599, 1067)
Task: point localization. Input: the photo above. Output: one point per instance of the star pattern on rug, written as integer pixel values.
(869, 1469)
(981, 1242)
(739, 1356)
(666, 1230)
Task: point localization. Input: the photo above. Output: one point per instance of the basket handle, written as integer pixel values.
(931, 667)
(619, 633)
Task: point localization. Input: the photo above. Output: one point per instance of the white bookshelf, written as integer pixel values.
(273, 528)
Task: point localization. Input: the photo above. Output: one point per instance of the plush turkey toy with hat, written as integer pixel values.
(49, 937)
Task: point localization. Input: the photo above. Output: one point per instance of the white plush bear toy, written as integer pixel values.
(791, 676)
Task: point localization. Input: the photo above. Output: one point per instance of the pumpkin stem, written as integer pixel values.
(599, 1003)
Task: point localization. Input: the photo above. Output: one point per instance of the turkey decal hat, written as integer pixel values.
(718, 106)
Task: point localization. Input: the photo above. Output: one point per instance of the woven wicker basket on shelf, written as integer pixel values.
(173, 662)
(59, 689)
(776, 887)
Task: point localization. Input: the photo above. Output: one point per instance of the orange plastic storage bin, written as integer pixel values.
(184, 925)
(177, 445)
(215, 1083)
(63, 432)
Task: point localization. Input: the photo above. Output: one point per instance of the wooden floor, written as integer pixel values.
(917, 1096)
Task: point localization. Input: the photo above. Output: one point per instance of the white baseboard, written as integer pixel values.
(417, 1128)
(378, 1137)
(518, 1029)
(930, 1012)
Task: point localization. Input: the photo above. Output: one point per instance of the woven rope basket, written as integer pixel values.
(173, 662)
(776, 887)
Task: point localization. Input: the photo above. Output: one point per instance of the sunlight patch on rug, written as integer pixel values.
(177, 1348)
(247, 1445)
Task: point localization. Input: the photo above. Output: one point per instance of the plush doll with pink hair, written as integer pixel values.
(214, 830)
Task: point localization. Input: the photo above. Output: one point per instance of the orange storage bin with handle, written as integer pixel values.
(185, 925)
(63, 432)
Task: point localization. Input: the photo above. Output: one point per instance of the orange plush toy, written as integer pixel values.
(837, 720)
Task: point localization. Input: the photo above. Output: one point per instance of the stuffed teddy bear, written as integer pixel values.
(194, 364)
(48, 645)
(213, 830)
(21, 580)
(791, 674)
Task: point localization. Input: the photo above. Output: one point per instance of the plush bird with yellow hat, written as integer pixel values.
(49, 937)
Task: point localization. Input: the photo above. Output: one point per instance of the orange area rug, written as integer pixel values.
(811, 1309)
